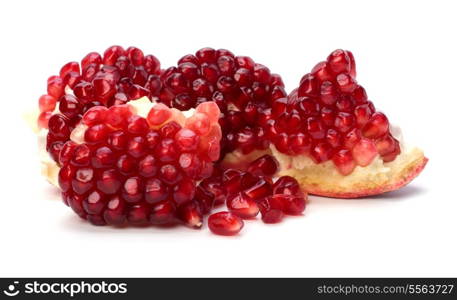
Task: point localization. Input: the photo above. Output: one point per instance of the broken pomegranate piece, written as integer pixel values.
(329, 136)
(128, 169)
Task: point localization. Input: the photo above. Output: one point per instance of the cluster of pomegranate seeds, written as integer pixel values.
(113, 78)
(243, 90)
(250, 192)
(139, 170)
(329, 117)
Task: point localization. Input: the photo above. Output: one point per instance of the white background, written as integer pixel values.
(406, 53)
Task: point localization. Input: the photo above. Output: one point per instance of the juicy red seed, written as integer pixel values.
(291, 205)
(170, 129)
(91, 58)
(95, 115)
(114, 213)
(55, 87)
(83, 181)
(377, 126)
(190, 214)
(166, 150)
(215, 186)
(287, 185)
(148, 166)
(84, 91)
(68, 68)
(137, 147)
(108, 182)
(155, 191)
(333, 137)
(158, 115)
(66, 152)
(94, 203)
(271, 209)
(135, 55)
(47, 103)
(321, 152)
(225, 223)
(170, 174)
(111, 55)
(137, 125)
(96, 133)
(346, 83)
(186, 139)
(259, 190)
(117, 140)
(151, 64)
(385, 145)
(339, 61)
(242, 205)
(65, 175)
(132, 190)
(315, 128)
(103, 157)
(69, 106)
(43, 119)
(205, 199)
(232, 180)
(344, 161)
(266, 165)
(96, 220)
(364, 152)
(81, 155)
(184, 191)
(138, 214)
(344, 122)
(163, 213)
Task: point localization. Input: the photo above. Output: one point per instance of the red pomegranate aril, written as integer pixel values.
(344, 161)
(91, 58)
(339, 61)
(271, 210)
(96, 134)
(259, 190)
(225, 223)
(72, 79)
(111, 55)
(137, 125)
(346, 83)
(333, 137)
(108, 182)
(163, 213)
(117, 116)
(322, 71)
(68, 68)
(135, 55)
(96, 220)
(94, 115)
(47, 103)
(362, 114)
(66, 152)
(215, 186)
(351, 138)
(287, 185)
(84, 91)
(131, 190)
(148, 166)
(190, 164)
(376, 127)
(83, 180)
(266, 165)
(55, 87)
(190, 214)
(204, 198)
(292, 205)
(321, 152)
(151, 64)
(155, 191)
(166, 150)
(315, 128)
(364, 152)
(114, 213)
(242, 205)
(43, 119)
(94, 203)
(385, 144)
(360, 95)
(64, 177)
(392, 155)
(344, 122)
(103, 157)
(138, 214)
(69, 106)
(170, 174)
(184, 191)
(169, 130)
(81, 155)
(118, 140)
(76, 204)
(158, 115)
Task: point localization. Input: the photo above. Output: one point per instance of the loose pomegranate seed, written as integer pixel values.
(291, 205)
(271, 209)
(266, 165)
(225, 223)
(259, 190)
(242, 205)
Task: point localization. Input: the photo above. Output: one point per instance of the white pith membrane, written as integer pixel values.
(50, 169)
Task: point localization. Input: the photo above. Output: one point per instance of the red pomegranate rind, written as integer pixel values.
(243, 90)
(131, 170)
(328, 113)
(115, 78)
